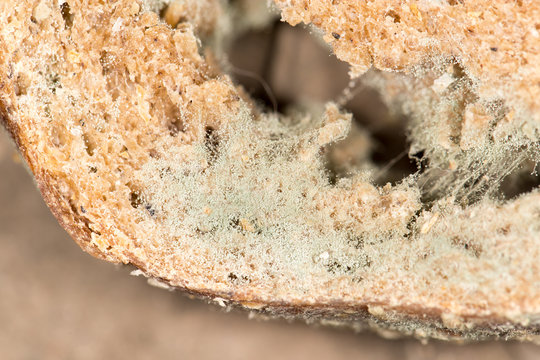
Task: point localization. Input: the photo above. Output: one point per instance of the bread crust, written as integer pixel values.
(415, 320)
(74, 223)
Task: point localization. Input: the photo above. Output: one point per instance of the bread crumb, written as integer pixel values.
(42, 11)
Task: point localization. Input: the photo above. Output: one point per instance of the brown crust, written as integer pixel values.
(414, 320)
(76, 225)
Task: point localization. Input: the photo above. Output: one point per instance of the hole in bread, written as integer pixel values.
(106, 61)
(65, 9)
(57, 136)
(116, 78)
(175, 126)
(22, 82)
(191, 13)
(162, 107)
(88, 144)
(211, 142)
(53, 81)
(237, 279)
(525, 180)
(173, 13)
(283, 66)
(394, 15)
(135, 199)
(273, 73)
(469, 245)
(378, 134)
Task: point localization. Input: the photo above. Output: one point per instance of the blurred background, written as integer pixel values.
(56, 302)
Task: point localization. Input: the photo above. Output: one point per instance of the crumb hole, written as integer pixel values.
(394, 15)
(237, 279)
(88, 144)
(53, 81)
(106, 62)
(162, 107)
(22, 82)
(135, 199)
(276, 65)
(66, 15)
(175, 127)
(172, 14)
(211, 142)
(150, 210)
(523, 181)
(57, 137)
(74, 209)
(377, 136)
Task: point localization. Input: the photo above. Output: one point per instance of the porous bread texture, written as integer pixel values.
(96, 89)
(468, 75)
(149, 156)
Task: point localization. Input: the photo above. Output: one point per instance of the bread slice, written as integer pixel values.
(149, 155)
